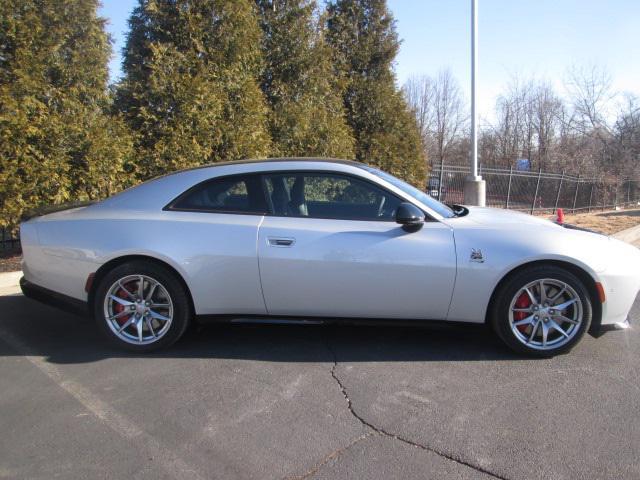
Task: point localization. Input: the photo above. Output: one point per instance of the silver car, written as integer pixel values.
(300, 239)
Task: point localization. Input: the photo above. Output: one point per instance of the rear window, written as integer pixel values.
(236, 194)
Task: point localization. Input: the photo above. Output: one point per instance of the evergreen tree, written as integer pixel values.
(306, 115)
(190, 92)
(56, 144)
(365, 43)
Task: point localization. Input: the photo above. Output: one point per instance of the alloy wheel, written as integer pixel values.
(545, 314)
(138, 309)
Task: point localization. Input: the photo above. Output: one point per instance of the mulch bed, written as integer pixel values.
(606, 222)
(10, 260)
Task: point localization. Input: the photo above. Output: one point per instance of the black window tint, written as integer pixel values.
(242, 194)
(328, 195)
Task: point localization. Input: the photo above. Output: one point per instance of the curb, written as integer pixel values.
(630, 235)
(10, 279)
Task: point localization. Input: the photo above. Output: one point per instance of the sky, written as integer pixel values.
(517, 38)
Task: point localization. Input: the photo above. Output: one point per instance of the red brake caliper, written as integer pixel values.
(117, 308)
(523, 301)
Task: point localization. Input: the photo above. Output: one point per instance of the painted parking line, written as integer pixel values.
(173, 465)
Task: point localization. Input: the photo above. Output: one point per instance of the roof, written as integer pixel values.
(283, 159)
(197, 174)
(352, 163)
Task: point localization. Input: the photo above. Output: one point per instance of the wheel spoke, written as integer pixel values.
(545, 333)
(557, 327)
(562, 318)
(140, 287)
(121, 301)
(150, 327)
(543, 293)
(526, 310)
(118, 315)
(565, 305)
(139, 329)
(151, 291)
(525, 321)
(533, 331)
(127, 324)
(159, 305)
(157, 316)
(531, 297)
(126, 290)
(557, 295)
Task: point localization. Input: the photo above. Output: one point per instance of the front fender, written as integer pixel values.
(504, 251)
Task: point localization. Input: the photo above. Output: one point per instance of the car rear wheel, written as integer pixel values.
(141, 306)
(542, 311)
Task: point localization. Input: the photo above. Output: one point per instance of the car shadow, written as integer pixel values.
(30, 328)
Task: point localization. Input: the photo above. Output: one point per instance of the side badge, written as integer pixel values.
(476, 255)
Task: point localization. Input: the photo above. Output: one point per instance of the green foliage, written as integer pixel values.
(364, 42)
(306, 115)
(190, 92)
(205, 81)
(55, 141)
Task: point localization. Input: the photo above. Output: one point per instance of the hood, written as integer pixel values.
(529, 238)
(498, 217)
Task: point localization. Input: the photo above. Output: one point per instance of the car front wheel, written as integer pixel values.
(141, 306)
(542, 311)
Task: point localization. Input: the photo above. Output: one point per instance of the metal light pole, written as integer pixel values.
(474, 186)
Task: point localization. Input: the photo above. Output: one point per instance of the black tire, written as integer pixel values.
(499, 313)
(179, 299)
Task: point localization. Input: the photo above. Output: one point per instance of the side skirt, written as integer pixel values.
(290, 320)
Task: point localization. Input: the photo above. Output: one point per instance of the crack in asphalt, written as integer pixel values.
(383, 432)
(336, 453)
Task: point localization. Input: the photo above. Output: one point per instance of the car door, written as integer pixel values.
(331, 248)
(211, 231)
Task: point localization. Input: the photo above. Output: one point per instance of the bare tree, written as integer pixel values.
(546, 111)
(514, 128)
(626, 134)
(419, 94)
(591, 95)
(440, 111)
(528, 117)
(579, 132)
(591, 98)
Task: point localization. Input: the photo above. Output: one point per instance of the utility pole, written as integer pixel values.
(474, 186)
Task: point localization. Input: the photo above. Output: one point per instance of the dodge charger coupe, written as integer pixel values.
(321, 240)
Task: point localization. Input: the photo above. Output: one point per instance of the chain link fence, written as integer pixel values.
(535, 192)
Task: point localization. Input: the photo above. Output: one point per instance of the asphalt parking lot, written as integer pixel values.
(257, 401)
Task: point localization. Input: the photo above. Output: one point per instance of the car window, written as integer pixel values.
(241, 194)
(327, 195)
(432, 203)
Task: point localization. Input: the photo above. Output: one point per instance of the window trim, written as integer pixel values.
(172, 208)
(267, 200)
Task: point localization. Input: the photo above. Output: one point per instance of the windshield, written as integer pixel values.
(419, 195)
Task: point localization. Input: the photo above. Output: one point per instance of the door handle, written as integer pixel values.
(281, 241)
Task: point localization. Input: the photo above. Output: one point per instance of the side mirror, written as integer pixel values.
(410, 217)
